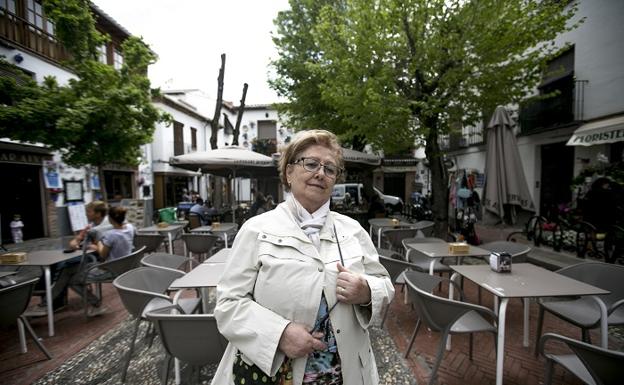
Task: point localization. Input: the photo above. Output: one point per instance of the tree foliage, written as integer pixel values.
(101, 116)
(401, 71)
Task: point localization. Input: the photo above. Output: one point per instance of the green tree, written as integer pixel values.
(399, 72)
(103, 115)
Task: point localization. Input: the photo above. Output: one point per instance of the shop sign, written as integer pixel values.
(22, 157)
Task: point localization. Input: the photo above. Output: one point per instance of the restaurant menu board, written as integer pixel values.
(77, 217)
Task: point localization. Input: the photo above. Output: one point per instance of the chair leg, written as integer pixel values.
(479, 293)
(549, 372)
(124, 373)
(538, 332)
(165, 369)
(413, 338)
(438, 360)
(34, 336)
(383, 319)
(470, 347)
(585, 335)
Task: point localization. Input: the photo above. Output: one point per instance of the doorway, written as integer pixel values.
(557, 173)
(394, 184)
(21, 195)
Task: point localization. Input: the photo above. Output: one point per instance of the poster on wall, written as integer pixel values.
(73, 190)
(95, 182)
(51, 175)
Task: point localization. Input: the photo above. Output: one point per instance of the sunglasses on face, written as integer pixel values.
(314, 165)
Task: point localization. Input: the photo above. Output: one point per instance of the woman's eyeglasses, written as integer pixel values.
(314, 165)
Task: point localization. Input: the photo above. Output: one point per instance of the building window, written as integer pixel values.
(102, 55)
(178, 138)
(267, 129)
(193, 139)
(34, 14)
(117, 59)
(8, 5)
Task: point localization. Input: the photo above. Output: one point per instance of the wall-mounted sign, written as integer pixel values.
(73, 190)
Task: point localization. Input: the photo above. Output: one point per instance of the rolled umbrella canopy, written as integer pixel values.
(227, 161)
(505, 183)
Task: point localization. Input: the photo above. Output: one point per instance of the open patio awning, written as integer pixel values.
(599, 132)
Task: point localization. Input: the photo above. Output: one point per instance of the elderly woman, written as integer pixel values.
(298, 296)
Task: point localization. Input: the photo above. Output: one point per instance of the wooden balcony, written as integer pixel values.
(20, 33)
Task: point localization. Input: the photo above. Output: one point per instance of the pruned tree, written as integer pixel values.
(100, 117)
(400, 72)
(214, 124)
(239, 117)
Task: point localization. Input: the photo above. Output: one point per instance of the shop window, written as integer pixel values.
(193, 139)
(118, 184)
(178, 138)
(117, 59)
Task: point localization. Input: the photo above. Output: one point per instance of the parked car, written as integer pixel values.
(356, 191)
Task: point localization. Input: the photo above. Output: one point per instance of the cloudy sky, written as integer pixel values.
(190, 35)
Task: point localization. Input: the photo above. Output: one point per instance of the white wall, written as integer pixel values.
(599, 55)
(39, 67)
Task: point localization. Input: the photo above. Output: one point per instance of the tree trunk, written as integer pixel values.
(102, 183)
(215, 119)
(439, 181)
(239, 117)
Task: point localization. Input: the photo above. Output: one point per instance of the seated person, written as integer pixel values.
(63, 271)
(98, 222)
(258, 205)
(201, 210)
(115, 243)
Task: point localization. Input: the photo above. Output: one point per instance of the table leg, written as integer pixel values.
(170, 238)
(454, 277)
(500, 352)
(48, 289)
(22, 336)
(379, 237)
(525, 338)
(370, 231)
(225, 239)
(604, 326)
(431, 264)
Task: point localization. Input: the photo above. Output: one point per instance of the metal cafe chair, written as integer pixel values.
(591, 364)
(169, 261)
(13, 302)
(445, 315)
(584, 312)
(143, 289)
(193, 339)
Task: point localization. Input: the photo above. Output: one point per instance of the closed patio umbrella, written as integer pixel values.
(505, 183)
(227, 161)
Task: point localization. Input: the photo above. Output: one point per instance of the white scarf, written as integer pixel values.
(311, 224)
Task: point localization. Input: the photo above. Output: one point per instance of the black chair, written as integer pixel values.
(201, 243)
(169, 261)
(107, 272)
(445, 315)
(191, 338)
(152, 242)
(143, 289)
(584, 312)
(13, 302)
(591, 364)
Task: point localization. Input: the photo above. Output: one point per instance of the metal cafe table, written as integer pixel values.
(441, 250)
(526, 281)
(222, 230)
(45, 259)
(381, 223)
(220, 256)
(168, 230)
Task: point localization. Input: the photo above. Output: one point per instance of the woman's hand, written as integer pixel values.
(296, 341)
(351, 288)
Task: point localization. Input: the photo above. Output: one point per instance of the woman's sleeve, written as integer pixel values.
(251, 328)
(381, 287)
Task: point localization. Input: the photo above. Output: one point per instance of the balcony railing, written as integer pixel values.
(543, 114)
(26, 35)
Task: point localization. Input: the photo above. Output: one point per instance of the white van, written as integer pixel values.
(356, 191)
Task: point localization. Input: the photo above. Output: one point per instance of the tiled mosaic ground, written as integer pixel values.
(101, 362)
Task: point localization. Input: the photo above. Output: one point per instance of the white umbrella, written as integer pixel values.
(227, 161)
(505, 183)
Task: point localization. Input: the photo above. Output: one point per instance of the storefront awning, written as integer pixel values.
(599, 132)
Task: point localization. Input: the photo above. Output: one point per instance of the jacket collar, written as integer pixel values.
(286, 226)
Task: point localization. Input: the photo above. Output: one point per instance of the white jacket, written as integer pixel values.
(275, 275)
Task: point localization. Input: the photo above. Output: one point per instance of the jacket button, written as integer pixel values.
(279, 240)
(264, 237)
(320, 269)
(337, 331)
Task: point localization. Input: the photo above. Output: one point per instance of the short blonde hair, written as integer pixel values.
(301, 142)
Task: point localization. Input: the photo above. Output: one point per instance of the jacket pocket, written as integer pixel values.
(367, 365)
